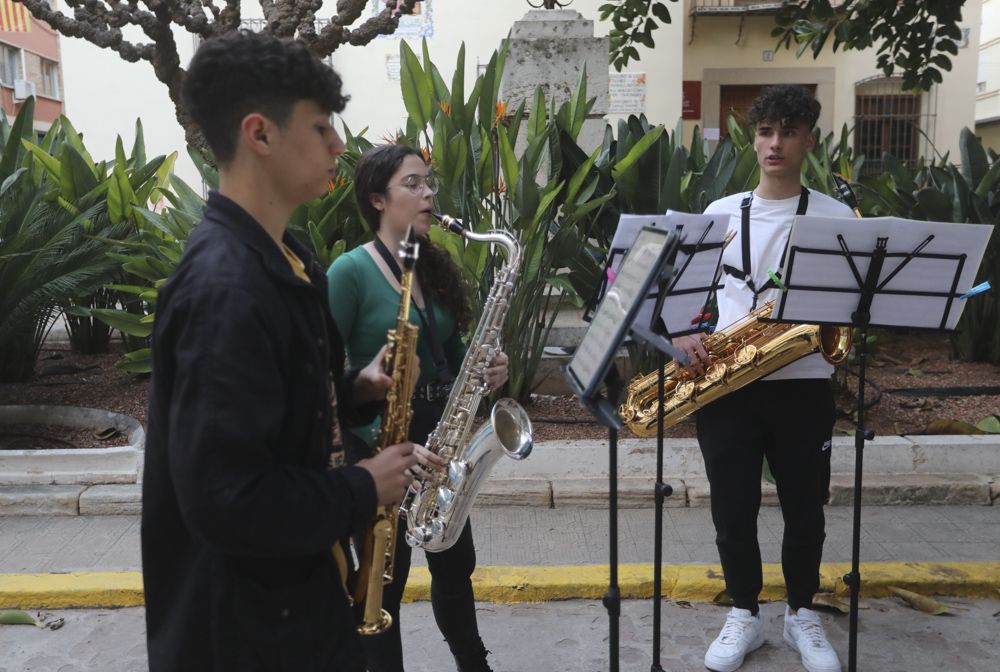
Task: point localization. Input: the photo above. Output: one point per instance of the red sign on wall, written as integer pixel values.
(691, 99)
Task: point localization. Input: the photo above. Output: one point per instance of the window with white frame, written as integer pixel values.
(50, 78)
(10, 64)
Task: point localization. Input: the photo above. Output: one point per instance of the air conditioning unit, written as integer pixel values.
(23, 89)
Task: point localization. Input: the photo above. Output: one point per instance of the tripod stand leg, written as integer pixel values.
(612, 600)
(853, 579)
(662, 490)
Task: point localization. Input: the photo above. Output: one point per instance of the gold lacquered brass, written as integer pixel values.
(746, 351)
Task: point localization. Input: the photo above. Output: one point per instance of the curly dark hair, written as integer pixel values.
(438, 274)
(787, 104)
(241, 72)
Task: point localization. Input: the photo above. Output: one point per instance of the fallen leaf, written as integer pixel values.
(683, 604)
(915, 402)
(990, 424)
(949, 426)
(16, 617)
(914, 372)
(831, 601)
(723, 599)
(928, 605)
(50, 621)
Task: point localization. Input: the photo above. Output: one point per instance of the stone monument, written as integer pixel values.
(548, 48)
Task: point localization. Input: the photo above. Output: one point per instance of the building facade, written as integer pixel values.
(30, 64)
(730, 56)
(988, 79)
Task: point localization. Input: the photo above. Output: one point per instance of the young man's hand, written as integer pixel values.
(391, 471)
(697, 356)
(496, 371)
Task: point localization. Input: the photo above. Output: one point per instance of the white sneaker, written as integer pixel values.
(742, 633)
(804, 633)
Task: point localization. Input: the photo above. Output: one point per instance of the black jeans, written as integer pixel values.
(791, 423)
(452, 598)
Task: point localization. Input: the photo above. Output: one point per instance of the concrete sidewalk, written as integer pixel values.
(530, 554)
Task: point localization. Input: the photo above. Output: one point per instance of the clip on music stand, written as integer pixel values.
(592, 367)
(876, 272)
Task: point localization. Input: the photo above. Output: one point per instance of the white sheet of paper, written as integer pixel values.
(919, 274)
(681, 306)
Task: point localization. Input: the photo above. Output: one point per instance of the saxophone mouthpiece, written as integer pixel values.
(449, 222)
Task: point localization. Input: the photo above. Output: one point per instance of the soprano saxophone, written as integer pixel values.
(437, 506)
(378, 550)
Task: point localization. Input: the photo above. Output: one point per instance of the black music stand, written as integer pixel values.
(668, 310)
(647, 262)
(878, 272)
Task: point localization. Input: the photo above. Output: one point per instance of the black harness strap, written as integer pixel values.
(426, 315)
(745, 273)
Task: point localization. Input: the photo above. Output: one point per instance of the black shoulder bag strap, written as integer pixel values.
(429, 322)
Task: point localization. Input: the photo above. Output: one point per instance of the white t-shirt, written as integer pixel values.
(770, 224)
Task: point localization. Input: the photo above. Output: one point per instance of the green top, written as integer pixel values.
(366, 306)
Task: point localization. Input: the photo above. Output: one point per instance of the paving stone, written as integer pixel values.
(633, 493)
(111, 500)
(699, 493)
(894, 489)
(40, 500)
(515, 492)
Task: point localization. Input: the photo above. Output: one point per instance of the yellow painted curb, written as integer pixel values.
(696, 583)
(74, 589)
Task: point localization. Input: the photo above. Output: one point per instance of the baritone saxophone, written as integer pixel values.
(377, 552)
(740, 354)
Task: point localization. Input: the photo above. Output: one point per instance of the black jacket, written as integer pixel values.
(240, 508)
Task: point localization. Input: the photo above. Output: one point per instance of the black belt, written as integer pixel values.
(433, 391)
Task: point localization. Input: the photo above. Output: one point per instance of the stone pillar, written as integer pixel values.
(548, 47)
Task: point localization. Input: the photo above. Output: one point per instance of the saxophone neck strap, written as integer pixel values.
(745, 273)
(427, 319)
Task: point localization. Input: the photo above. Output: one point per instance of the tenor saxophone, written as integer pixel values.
(377, 552)
(738, 355)
(437, 506)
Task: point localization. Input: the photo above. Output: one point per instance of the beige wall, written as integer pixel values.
(482, 24)
(988, 101)
(715, 57)
(990, 135)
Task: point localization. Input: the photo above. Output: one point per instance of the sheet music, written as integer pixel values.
(617, 310)
(686, 297)
(917, 275)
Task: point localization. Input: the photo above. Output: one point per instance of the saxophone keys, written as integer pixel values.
(716, 372)
(685, 390)
(746, 355)
(444, 500)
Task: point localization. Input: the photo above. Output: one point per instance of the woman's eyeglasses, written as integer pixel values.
(416, 183)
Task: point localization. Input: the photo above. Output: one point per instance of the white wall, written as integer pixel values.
(104, 95)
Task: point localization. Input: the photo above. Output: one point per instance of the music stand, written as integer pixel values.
(592, 367)
(877, 272)
(691, 290)
(668, 311)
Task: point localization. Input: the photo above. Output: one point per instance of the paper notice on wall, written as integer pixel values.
(711, 134)
(627, 93)
(392, 67)
(417, 25)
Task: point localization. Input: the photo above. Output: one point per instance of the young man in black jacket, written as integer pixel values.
(245, 507)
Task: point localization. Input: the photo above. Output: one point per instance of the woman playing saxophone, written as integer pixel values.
(395, 190)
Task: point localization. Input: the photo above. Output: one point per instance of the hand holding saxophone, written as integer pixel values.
(696, 354)
(390, 469)
(495, 373)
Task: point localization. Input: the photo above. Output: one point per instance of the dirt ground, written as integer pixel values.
(906, 377)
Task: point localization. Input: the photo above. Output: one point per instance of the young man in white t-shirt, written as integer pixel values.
(787, 416)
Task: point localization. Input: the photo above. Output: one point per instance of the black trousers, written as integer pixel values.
(791, 423)
(452, 597)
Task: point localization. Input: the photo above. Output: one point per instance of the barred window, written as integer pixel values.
(50, 78)
(890, 120)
